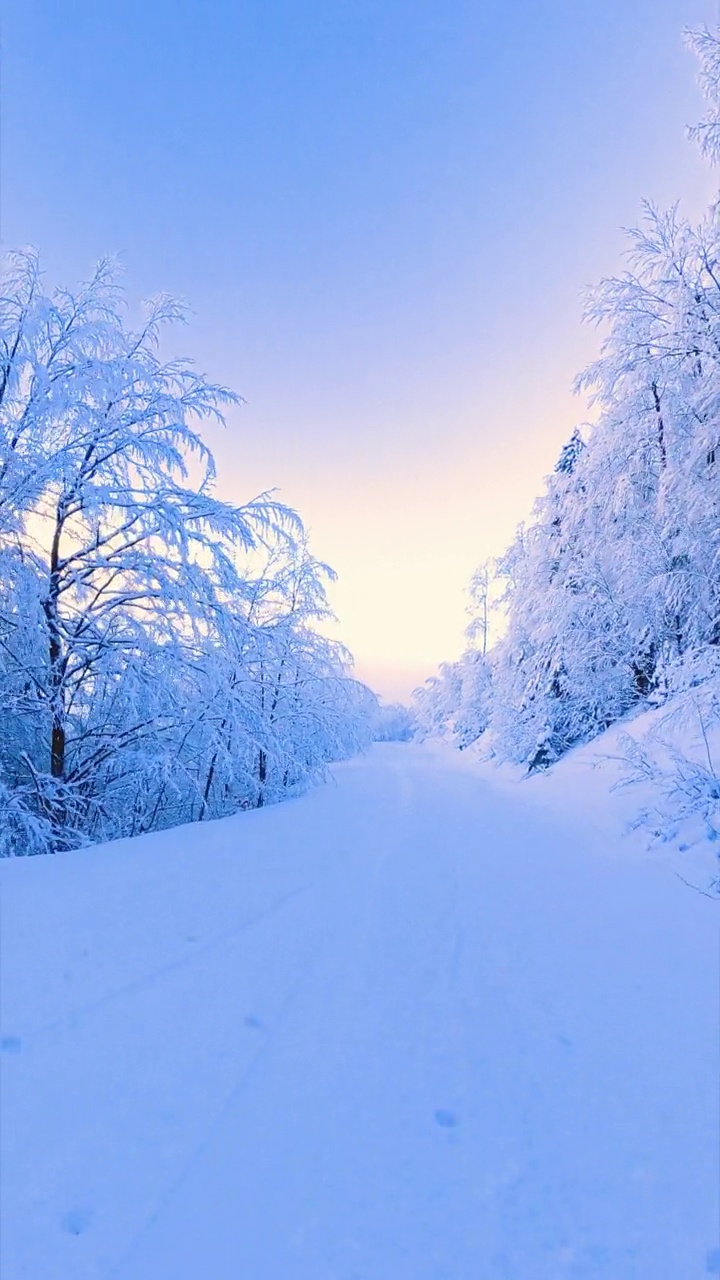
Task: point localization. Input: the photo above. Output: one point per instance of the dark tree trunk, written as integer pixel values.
(55, 655)
(660, 427)
(262, 776)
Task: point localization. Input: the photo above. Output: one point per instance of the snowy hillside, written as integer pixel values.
(651, 781)
(416, 1024)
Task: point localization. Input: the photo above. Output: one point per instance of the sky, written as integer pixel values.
(383, 215)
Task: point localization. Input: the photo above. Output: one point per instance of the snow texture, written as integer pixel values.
(415, 1025)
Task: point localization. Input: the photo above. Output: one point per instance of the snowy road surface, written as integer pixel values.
(406, 1028)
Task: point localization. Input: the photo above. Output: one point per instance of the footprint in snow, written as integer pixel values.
(446, 1119)
(75, 1221)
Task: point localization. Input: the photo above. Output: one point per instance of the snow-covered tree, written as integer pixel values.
(157, 648)
(613, 587)
(456, 703)
(393, 722)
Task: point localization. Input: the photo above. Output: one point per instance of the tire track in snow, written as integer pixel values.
(215, 1125)
(77, 1017)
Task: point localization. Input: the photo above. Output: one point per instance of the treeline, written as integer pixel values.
(160, 660)
(610, 596)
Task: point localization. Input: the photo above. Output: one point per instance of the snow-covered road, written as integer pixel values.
(409, 1027)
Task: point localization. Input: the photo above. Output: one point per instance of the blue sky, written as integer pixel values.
(383, 214)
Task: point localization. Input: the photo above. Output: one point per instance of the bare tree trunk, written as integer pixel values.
(262, 777)
(660, 427)
(209, 779)
(50, 608)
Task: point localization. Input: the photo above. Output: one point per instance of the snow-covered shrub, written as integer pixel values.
(680, 760)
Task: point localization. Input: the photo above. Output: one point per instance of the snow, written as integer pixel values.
(420, 1024)
(596, 783)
